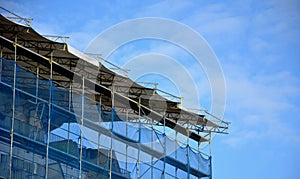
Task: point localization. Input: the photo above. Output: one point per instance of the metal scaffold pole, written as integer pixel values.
(176, 149)
(126, 152)
(81, 123)
(112, 129)
(152, 141)
(49, 117)
(188, 155)
(198, 156)
(37, 83)
(210, 154)
(139, 142)
(99, 134)
(13, 112)
(1, 48)
(69, 122)
(165, 150)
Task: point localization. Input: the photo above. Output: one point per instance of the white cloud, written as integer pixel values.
(261, 106)
(165, 8)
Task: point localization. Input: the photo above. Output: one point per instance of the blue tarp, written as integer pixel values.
(32, 116)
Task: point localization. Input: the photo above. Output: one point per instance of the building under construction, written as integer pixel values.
(64, 114)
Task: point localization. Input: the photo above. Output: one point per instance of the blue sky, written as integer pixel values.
(257, 44)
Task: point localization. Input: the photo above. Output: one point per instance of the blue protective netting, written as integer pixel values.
(31, 120)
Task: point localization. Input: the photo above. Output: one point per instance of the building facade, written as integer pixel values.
(63, 114)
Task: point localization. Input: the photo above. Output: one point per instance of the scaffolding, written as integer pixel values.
(65, 115)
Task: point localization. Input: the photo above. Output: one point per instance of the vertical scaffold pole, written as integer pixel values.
(199, 154)
(112, 129)
(126, 152)
(49, 117)
(188, 154)
(69, 122)
(99, 135)
(13, 112)
(81, 123)
(210, 147)
(35, 132)
(210, 154)
(70, 94)
(152, 141)
(165, 150)
(1, 56)
(176, 149)
(139, 142)
(37, 83)
(69, 108)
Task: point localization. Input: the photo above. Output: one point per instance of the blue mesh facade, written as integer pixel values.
(52, 131)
